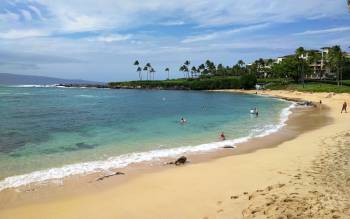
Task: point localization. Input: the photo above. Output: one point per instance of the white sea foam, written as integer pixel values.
(86, 96)
(35, 85)
(127, 159)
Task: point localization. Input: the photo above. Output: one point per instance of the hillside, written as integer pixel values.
(15, 79)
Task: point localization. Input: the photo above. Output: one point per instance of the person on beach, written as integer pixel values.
(345, 105)
(222, 136)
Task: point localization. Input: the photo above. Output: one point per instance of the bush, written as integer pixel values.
(248, 81)
(190, 84)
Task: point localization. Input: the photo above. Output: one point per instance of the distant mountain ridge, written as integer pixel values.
(15, 79)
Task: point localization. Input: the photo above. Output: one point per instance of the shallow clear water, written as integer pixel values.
(42, 128)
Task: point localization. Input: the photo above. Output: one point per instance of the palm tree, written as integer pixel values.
(148, 65)
(187, 64)
(193, 71)
(184, 69)
(146, 70)
(152, 71)
(335, 60)
(201, 68)
(137, 63)
(240, 63)
(299, 52)
(210, 67)
(139, 70)
(167, 70)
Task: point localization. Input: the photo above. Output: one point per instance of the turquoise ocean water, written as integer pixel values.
(48, 133)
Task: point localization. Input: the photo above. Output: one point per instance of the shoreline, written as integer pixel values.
(110, 186)
(125, 162)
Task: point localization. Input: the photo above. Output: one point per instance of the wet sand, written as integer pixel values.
(214, 185)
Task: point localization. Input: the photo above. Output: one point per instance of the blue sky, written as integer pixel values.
(99, 40)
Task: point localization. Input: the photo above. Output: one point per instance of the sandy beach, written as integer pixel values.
(305, 174)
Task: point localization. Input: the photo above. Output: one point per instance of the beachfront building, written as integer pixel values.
(317, 60)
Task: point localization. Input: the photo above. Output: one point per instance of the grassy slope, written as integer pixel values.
(311, 87)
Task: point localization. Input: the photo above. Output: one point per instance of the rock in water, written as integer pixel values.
(181, 160)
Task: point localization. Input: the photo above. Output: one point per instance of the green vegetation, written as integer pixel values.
(307, 70)
(310, 87)
(244, 82)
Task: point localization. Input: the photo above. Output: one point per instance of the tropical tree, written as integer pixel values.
(146, 70)
(137, 63)
(193, 71)
(201, 68)
(221, 70)
(299, 53)
(187, 64)
(259, 67)
(336, 59)
(240, 68)
(139, 70)
(152, 72)
(290, 67)
(241, 63)
(149, 67)
(184, 69)
(167, 70)
(210, 66)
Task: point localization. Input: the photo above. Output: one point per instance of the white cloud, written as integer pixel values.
(20, 34)
(26, 15)
(36, 11)
(323, 31)
(172, 23)
(9, 17)
(112, 38)
(89, 15)
(81, 23)
(197, 38)
(220, 34)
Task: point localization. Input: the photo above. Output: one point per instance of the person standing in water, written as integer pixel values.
(182, 120)
(222, 136)
(345, 106)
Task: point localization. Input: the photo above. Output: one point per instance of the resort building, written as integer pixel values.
(316, 59)
(319, 67)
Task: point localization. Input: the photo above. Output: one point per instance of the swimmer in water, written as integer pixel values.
(222, 136)
(182, 120)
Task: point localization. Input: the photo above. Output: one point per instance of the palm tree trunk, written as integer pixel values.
(302, 75)
(338, 76)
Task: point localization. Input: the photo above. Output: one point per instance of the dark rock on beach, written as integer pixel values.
(180, 161)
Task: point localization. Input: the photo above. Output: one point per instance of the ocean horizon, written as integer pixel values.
(49, 133)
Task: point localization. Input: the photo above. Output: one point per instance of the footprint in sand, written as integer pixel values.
(220, 211)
